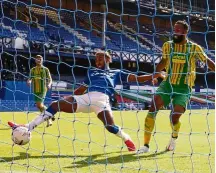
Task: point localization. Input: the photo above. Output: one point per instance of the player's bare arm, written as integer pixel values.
(161, 65)
(29, 81)
(211, 64)
(144, 78)
(201, 55)
(49, 80)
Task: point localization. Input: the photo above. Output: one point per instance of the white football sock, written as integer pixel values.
(123, 135)
(38, 120)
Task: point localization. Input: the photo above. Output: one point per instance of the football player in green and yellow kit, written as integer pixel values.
(41, 80)
(179, 60)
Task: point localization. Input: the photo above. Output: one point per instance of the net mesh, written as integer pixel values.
(67, 34)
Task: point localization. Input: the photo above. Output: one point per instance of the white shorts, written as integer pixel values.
(92, 102)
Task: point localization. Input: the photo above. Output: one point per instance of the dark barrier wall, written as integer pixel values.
(11, 90)
(2, 89)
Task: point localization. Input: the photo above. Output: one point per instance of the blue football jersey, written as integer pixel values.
(104, 81)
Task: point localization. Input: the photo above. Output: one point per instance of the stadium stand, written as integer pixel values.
(73, 28)
(62, 31)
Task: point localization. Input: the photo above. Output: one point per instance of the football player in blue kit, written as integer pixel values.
(95, 95)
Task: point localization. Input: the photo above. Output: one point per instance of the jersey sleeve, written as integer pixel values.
(123, 76)
(48, 75)
(200, 54)
(86, 81)
(166, 50)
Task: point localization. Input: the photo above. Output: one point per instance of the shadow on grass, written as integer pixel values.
(90, 160)
(23, 155)
(121, 158)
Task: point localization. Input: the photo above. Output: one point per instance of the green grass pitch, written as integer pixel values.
(79, 143)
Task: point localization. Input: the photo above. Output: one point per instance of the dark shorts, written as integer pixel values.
(178, 94)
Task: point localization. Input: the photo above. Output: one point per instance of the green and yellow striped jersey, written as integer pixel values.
(181, 61)
(40, 76)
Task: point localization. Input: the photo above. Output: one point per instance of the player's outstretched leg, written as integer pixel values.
(68, 105)
(107, 119)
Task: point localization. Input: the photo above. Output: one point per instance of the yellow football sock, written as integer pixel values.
(149, 126)
(175, 129)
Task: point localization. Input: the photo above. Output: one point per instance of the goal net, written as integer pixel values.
(67, 34)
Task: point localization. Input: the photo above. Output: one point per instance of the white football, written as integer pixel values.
(21, 136)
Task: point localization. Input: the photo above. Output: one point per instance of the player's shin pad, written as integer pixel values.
(149, 126)
(175, 129)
